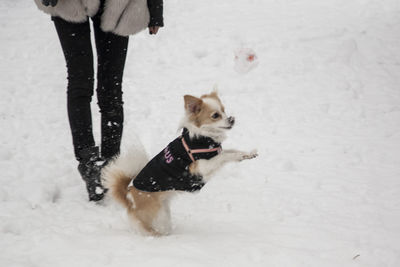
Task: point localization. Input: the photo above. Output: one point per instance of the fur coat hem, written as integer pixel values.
(122, 17)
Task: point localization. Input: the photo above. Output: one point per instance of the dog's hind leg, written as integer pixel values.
(162, 221)
(147, 211)
(143, 225)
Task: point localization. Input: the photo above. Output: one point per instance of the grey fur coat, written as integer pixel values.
(122, 17)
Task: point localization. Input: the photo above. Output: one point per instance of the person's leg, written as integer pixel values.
(77, 48)
(111, 55)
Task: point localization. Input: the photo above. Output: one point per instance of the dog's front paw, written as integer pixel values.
(249, 155)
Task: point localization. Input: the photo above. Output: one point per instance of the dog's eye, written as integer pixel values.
(215, 115)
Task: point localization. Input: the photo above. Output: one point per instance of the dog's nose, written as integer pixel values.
(231, 120)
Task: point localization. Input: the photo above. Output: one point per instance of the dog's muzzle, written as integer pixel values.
(231, 121)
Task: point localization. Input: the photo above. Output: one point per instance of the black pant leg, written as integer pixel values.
(111, 55)
(77, 48)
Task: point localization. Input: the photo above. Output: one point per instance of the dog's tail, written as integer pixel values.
(117, 174)
(117, 184)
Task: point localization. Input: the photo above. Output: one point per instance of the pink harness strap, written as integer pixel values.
(194, 151)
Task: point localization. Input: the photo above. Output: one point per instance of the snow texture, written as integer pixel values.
(322, 107)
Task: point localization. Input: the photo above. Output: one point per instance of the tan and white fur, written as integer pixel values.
(204, 116)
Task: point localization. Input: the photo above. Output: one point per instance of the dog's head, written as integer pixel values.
(206, 116)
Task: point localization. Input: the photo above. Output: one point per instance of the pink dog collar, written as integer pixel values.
(195, 151)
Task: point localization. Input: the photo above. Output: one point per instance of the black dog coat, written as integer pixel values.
(169, 170)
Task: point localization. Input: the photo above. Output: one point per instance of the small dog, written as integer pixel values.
(186, 164)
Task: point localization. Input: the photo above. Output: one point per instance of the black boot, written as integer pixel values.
(89, 167)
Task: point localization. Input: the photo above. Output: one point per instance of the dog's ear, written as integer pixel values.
(192, 104)
(214, 94)
(215, 90)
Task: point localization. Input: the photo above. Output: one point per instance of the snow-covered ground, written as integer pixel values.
(322, 107)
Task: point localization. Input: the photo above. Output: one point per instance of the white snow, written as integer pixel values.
(322, 108)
